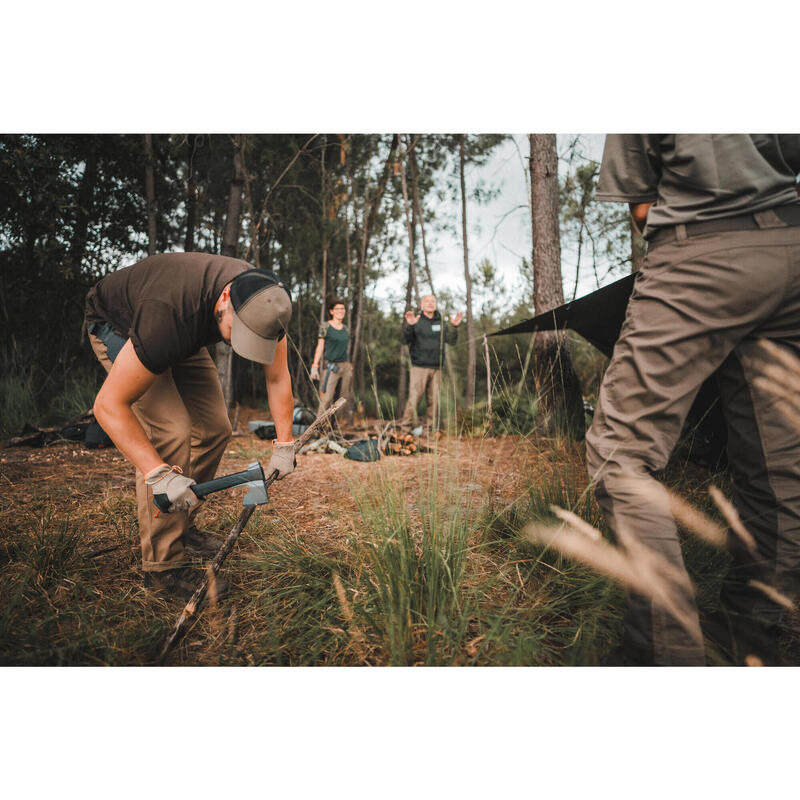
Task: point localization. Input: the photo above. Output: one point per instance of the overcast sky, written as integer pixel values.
(499, 231)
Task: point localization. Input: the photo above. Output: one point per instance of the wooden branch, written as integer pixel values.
(192, 607)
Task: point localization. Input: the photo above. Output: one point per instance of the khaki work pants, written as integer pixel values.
(423, 380)
(183, 414)
(699, 307)
(341, 378)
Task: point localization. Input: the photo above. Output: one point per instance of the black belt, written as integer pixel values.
(744, 222)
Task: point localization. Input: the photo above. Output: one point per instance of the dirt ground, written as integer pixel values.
(316, 498)
(93, 490)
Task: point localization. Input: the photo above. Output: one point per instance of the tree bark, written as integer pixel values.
(412, 269)
(191, 195)
(638, 248)
(412, 163)
(82, 214)
(150, 191)
(470, 391)
(324, 280)
(230, 241)
(560, 400)
(370, 216)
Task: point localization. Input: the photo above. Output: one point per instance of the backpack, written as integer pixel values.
(363, 450)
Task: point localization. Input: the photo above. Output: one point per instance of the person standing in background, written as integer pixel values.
(426, 335)
(332, 344)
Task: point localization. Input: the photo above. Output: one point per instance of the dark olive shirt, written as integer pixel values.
(336, 342)
(164, 304)
(697, 177)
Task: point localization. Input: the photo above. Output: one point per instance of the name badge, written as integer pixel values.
(436, 328)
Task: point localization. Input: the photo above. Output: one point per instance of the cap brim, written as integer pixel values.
(251, 346)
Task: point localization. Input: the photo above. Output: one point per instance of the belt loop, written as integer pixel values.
(680, 233)
(768, 219)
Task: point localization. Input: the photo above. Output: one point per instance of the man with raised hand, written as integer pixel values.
(161, 403)
(721, 216)
(426, 335)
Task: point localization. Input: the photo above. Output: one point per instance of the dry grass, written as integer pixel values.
(313, 574)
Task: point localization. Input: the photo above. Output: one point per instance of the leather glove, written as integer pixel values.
(171, 490)
(314, 374)
(282, 459)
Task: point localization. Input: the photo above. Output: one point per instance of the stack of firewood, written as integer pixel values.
(400, 444)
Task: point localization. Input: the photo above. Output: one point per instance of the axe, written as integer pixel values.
(252, 478)
(193, 605)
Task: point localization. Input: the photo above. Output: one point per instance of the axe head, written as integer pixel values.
(256, 486)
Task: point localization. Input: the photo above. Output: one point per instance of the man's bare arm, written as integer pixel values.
(279, 391)
(127, 381)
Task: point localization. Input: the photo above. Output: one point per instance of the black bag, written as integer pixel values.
(363, 450)
(301, 419)
(96, 438)
(266, 431)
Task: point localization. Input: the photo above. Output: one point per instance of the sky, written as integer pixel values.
(499, 231)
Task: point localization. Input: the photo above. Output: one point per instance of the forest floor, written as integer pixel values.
(416, 560)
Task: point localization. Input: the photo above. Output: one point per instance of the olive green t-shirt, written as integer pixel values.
(164, 304)
(336, 342)
(695, 177)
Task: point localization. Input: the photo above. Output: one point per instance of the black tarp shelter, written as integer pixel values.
(598, 317)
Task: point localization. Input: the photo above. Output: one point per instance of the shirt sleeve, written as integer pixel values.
(631, 168)
(451, 333)
(408, 333)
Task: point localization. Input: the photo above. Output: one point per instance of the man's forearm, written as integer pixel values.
(120, 423)
(279, 392)
(281, 405)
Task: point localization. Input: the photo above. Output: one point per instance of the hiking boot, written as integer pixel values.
(180, 584)
(201, 543)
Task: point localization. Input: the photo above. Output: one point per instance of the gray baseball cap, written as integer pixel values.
(262, 308)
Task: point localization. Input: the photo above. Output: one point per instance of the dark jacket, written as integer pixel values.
(426, 340)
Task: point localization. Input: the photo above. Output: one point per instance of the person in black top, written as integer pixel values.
(426, 335)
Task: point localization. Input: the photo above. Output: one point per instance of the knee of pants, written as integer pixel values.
(218, 434)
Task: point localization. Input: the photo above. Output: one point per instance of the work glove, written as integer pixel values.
(171, 486)
(314, 374)
(282, 459)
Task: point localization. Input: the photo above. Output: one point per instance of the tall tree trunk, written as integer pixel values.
(412, 163)
(77, 247)
(638, 248)
(351, 203)
(412, 269)
(230, 241)
(324, 280)
(254, 244)
(150, 191)
(470, 392)
(560, 401)
(370, 216)
(191, 195)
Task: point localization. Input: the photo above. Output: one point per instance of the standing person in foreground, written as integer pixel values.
(426, 335)
(334, 340)
(722, 220)
(161, 402)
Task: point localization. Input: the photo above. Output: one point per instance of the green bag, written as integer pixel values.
(363, 450)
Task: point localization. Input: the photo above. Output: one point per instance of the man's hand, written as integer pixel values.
(314, 373)
(173, 485)
(455, 320)
(282, 459)
(411, 319)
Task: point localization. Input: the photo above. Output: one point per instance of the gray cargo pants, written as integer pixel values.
(699, 306)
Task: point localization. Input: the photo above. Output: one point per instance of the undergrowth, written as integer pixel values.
(428, 569)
